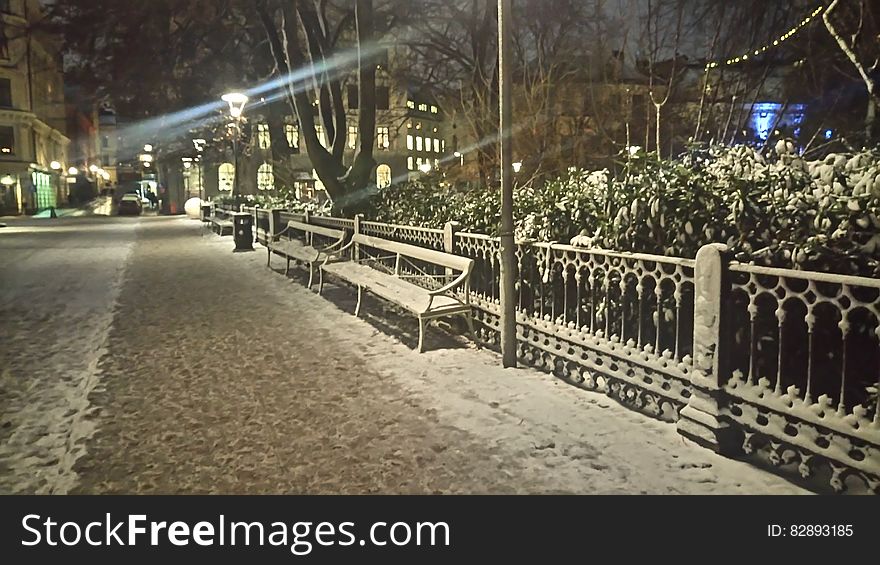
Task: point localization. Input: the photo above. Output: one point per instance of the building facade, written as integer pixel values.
(33, 144)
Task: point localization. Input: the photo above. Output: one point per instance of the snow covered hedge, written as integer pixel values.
(773, 209)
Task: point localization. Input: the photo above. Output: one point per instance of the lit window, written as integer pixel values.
(418, 143)
(443, 145)
(383, 137)
(409, 163)
(319, 130)
(423, 107)
(7, 140)
(410, 104)
(265, 177)
(436, 163)
(226, 174)
(433, 109)
(409, 125)
(352, 136)
(291, 131)
(263, 139)
(436, 145)
(383, 176)
(409, 142)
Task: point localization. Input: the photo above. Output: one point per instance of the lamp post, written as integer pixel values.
(199, 144)
(236, 101)
(508, 251)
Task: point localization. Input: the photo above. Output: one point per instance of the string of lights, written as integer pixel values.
(760, 50)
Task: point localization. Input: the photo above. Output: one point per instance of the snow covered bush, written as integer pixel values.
(771, 208)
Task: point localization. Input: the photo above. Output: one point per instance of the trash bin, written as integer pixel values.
(243, 231)
(206, 213)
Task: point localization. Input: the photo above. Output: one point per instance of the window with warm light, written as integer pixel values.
(436, 145)
(7, 140)
(418, 143)
(291, 131)
(410, 104)
(434, 109)
(409, 142)
(264, 140)
(226, 176)
(383, 137)
(265, 177)
(352, 136)
(409, 163)
(383, 176)
(423, 107)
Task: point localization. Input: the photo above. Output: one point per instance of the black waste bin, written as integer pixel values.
(243, 231)
(206, 213)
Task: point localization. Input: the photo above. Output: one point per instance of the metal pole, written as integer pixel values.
(235, 157)
(508, 245)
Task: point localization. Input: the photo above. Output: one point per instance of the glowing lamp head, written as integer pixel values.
(148, 147)
(236, 101)
(93, 168)
(7, 180)
(55, 165)
(517, 166)
(72, 171)
(456, 154)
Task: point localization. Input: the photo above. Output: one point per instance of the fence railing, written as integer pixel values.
(744, 358)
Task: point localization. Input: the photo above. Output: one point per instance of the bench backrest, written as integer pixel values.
(320, 230)
(457, 262)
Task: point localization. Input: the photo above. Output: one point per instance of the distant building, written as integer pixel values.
(33, 144)
(412, 136)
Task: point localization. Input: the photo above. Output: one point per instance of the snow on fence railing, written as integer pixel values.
(744, 358)
(802, 368)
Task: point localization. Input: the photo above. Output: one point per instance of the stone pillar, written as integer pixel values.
(702, 420)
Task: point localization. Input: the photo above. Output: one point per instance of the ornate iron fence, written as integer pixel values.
(744, 358)
(803, 369)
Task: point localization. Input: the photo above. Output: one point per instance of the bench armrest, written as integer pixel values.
(330, 253)
(462, 278)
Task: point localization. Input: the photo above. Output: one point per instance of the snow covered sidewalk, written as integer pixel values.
(224, 376)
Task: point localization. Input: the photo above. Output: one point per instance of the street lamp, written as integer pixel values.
(460, 157)
(236, 101)
(517, 166)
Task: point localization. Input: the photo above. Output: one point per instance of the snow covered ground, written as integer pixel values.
(220, 375)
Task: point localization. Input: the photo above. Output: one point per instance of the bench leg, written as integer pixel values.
(311, 274)
(287, 269)
(269, 257)
(421, 335)
(320, 280)
(470, 322)
(357, 309)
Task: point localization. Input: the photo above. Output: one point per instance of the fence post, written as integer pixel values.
(355, 251)
(702, 420)
(306, 216)
(449, 231)
(274, 222)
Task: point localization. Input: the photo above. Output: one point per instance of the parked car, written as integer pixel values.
(130, 204)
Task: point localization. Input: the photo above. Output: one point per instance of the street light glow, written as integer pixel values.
(236, 101)
(425, 167)
(55, 165)
(517, 166)
(148, 147)
(93, 168)
(72, 171)
(7, 180)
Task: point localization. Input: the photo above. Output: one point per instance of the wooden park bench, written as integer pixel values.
(220, 221)
(370, 273)
(306, 250)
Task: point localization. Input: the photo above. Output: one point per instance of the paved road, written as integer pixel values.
(146, 357)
